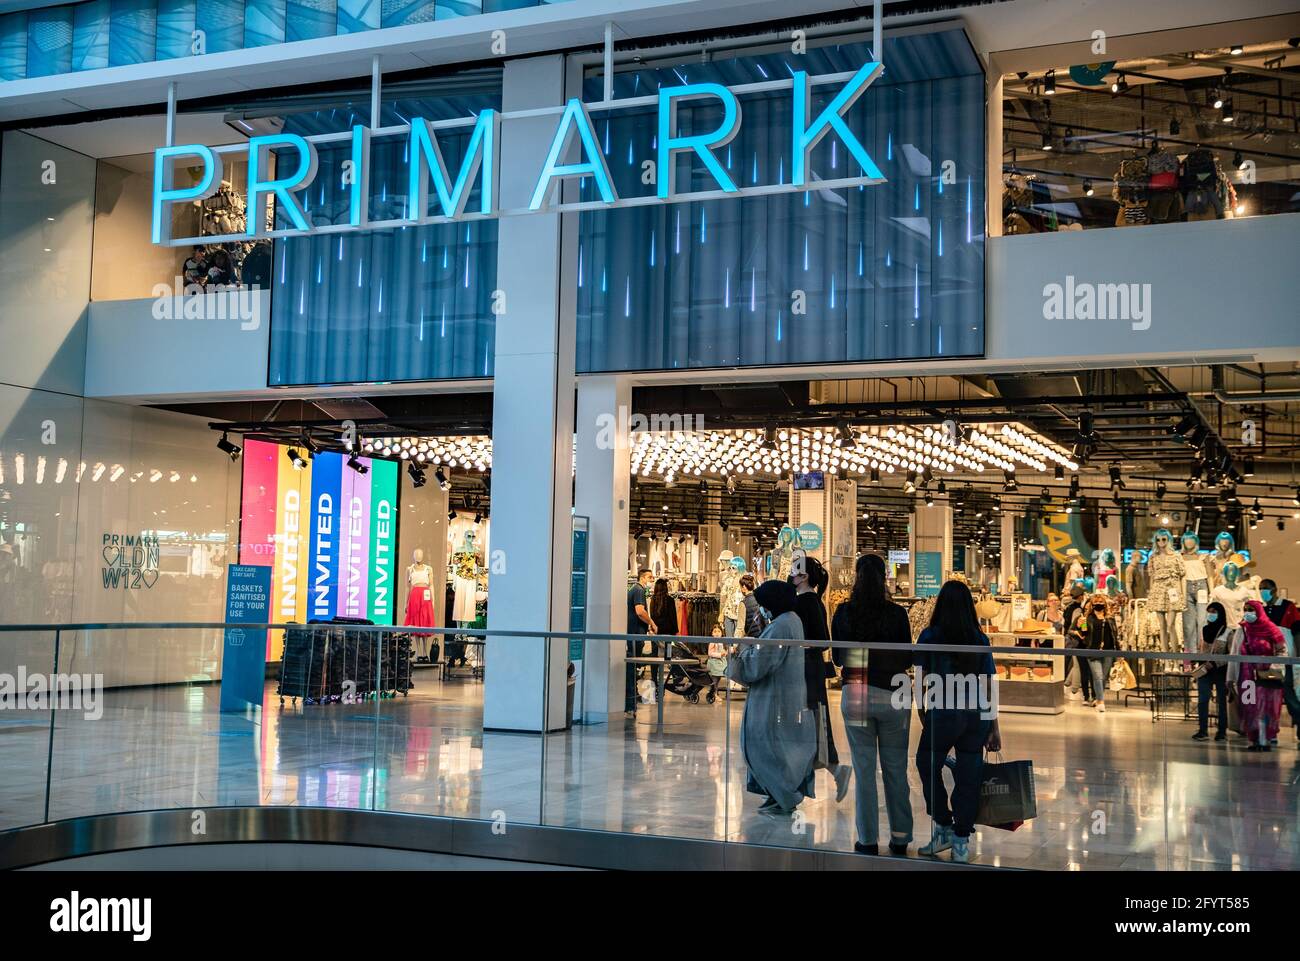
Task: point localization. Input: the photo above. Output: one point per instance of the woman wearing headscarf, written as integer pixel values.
(1215, 636)
(778, 734)
(1261, 705)
(810, 580)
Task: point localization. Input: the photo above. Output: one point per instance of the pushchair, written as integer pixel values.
(685, 680)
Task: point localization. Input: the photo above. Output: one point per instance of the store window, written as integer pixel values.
(412, 303)
(1206, 135)
(887, 271)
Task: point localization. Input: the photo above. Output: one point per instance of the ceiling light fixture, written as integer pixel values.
(228, 447)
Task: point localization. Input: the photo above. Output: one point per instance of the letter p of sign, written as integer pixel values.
(165, 190)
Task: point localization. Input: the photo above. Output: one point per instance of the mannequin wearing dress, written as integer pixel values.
(784, 553)
(1197, 581)
(464, 579)
(1074, 572)
(1105, 567)
(1166, 595)
(419, 600)
(728, 587)
(1224, 547)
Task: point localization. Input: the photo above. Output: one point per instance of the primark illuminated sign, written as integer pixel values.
(574, 153)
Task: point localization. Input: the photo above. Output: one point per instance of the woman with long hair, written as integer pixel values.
(876, 726)
(1213, 675)
(663, 609)
(810, 581)
(958, 713)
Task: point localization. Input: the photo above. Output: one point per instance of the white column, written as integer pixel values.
(532, 427)
(1009, 554)
(601, 494)
(931, 531)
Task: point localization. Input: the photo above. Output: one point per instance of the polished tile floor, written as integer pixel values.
(1114, 790)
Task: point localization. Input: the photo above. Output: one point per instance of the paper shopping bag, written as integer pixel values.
(1007, 797)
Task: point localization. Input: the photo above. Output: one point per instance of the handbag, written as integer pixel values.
(1271, 677)
(1007, 798)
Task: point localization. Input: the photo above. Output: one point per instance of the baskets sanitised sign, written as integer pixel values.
(281, 166)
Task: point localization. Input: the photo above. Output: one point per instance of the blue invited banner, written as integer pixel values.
(243, 662)
(927, 574)
(323, 544)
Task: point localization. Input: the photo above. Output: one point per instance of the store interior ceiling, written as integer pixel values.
(1219, 442)
(1169, 98)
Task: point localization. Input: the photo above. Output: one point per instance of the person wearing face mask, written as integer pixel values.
(1260, 711)
(1213, 675)
(778, 734)
(1285, 615)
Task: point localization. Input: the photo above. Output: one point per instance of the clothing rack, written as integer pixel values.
(321, 658)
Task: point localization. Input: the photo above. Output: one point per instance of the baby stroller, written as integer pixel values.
(685, 679)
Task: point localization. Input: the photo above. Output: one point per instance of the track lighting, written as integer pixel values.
(847, 437)
(1103, 519)
(417, 474)
(1248, 467)
(1087, 188)
(1216, 98)
(929, 499)
(1116, 480)
(356, 464)
(441, 477)
(1296, 499)
(1119, 84)
(478, 517)
(451, 514)
(909, 485)
(1235, 50)
(1238, 160)
(228, 447)
(310, 447)
(1161, 490)
(769, 437)
(1047, 139)
(295, 458)
(875, 476)
(1229, 115)
(1009, 485)
(1058, 472)
(1049, 83)
(943, 488)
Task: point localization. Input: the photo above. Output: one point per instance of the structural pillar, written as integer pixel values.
(532, 426)
(1008, 570)
(602, 494)
(930, 534)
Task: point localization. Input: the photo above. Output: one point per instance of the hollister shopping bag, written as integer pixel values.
(1007, 794)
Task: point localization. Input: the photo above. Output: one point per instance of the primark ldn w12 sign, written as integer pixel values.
(281, 166)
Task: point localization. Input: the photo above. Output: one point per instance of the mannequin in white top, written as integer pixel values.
(419, 575)
(1232, 594)
(1196, 577)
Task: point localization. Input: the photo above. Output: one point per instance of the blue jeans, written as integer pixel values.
(943, 731)
(882, 733)
(1099, 672)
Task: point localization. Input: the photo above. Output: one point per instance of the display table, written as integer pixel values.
(1029, 682)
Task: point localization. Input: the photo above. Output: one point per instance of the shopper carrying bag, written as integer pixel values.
(1007, 798)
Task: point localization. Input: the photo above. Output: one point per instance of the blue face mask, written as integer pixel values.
(1250, 617)
(1266, 594)
(1211, 617)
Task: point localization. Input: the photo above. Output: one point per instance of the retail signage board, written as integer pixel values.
(243, 661)
(282, 165)
(927, 576)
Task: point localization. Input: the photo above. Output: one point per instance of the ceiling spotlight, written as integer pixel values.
(1235, 50)
(1103, 519)
(1216, 98)
(451, 514)
(1161, 490)
(1296, 499)
(295, 458)
(769, 437)
(943, 488)
(1059, 472)
(478, 517)
(1087, 188)
(356, 464)
(1248, 467)
(723, 524)
(1175, 128)
(847, 436)
(1116, 480)
(909, 485)
(1049, 83)
(1047, 139)
(310, 447)
(1009, 485)
(1229, 115)
(441, 477)
(417, 474)
(227, 446)
(875, 476)
(1164, 520)
(1119, 84)
(1238, 160)
(929, 499)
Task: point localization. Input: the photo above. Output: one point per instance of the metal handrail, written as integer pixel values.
(657, 638)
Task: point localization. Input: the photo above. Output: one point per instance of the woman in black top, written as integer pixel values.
(663, 610)
(810, 581)
(1213, 674)
(877, 725)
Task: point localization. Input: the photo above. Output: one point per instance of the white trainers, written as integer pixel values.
(960, 850)
(940, 841)
(843, 774)
(1101, 706)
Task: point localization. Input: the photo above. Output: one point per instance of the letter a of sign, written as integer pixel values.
(807, 137)
(574, 116)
